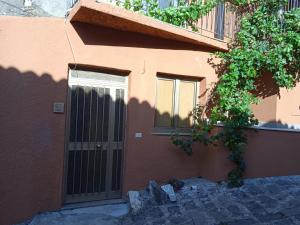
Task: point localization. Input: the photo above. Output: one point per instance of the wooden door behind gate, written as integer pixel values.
(96, 134)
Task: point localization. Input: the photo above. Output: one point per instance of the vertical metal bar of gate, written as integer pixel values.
(110, 138)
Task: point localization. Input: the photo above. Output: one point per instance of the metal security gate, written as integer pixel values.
(96, 115)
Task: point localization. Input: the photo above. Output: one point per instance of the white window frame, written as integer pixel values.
(175, 106)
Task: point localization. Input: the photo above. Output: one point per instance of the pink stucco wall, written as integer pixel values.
(288, 106)
(34, 59)
(32, 77)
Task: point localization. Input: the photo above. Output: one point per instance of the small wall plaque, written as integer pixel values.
(138, 135)
(58, 107)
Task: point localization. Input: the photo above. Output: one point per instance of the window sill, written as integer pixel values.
(170, 132)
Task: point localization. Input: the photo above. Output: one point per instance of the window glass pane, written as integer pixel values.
(186, 103)
(164, 103)
(167, 3)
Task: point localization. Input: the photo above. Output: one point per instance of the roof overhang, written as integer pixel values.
(108, 15)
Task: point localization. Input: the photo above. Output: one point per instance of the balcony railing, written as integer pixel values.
(292, 4)
(220, 23)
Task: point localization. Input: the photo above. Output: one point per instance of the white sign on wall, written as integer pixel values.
(58, 107)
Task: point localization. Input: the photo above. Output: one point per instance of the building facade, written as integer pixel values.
(89, 104)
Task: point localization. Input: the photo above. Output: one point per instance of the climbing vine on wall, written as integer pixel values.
(268, 42)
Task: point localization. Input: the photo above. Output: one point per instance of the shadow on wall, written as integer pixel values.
(33, 141)
(111, 37)
(266, 91)
(266, 86)
(278, 124)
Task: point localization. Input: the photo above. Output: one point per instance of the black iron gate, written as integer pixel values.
(96, 133)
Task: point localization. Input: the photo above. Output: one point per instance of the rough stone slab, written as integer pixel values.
(135, 202)
(158, 194)
(170, 192)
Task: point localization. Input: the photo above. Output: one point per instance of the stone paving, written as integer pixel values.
(265, 201)
(97, 215)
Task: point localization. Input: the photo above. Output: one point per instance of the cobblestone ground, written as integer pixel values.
(266, 201)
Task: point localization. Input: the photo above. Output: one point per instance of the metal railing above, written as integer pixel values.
(71, 3)
(292, 4)
(220, 23)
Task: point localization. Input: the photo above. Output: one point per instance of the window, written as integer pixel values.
(175, 101)
(167, 3)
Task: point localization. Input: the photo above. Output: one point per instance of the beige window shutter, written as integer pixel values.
(164, 103)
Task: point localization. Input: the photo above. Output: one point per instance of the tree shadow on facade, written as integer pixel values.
(278, 124)
(33, 144)
(266, 91)
(31, 140)
(33, 147)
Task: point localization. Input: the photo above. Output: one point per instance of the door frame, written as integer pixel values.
(92, 83)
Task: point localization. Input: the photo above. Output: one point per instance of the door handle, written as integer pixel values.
(98, 146)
